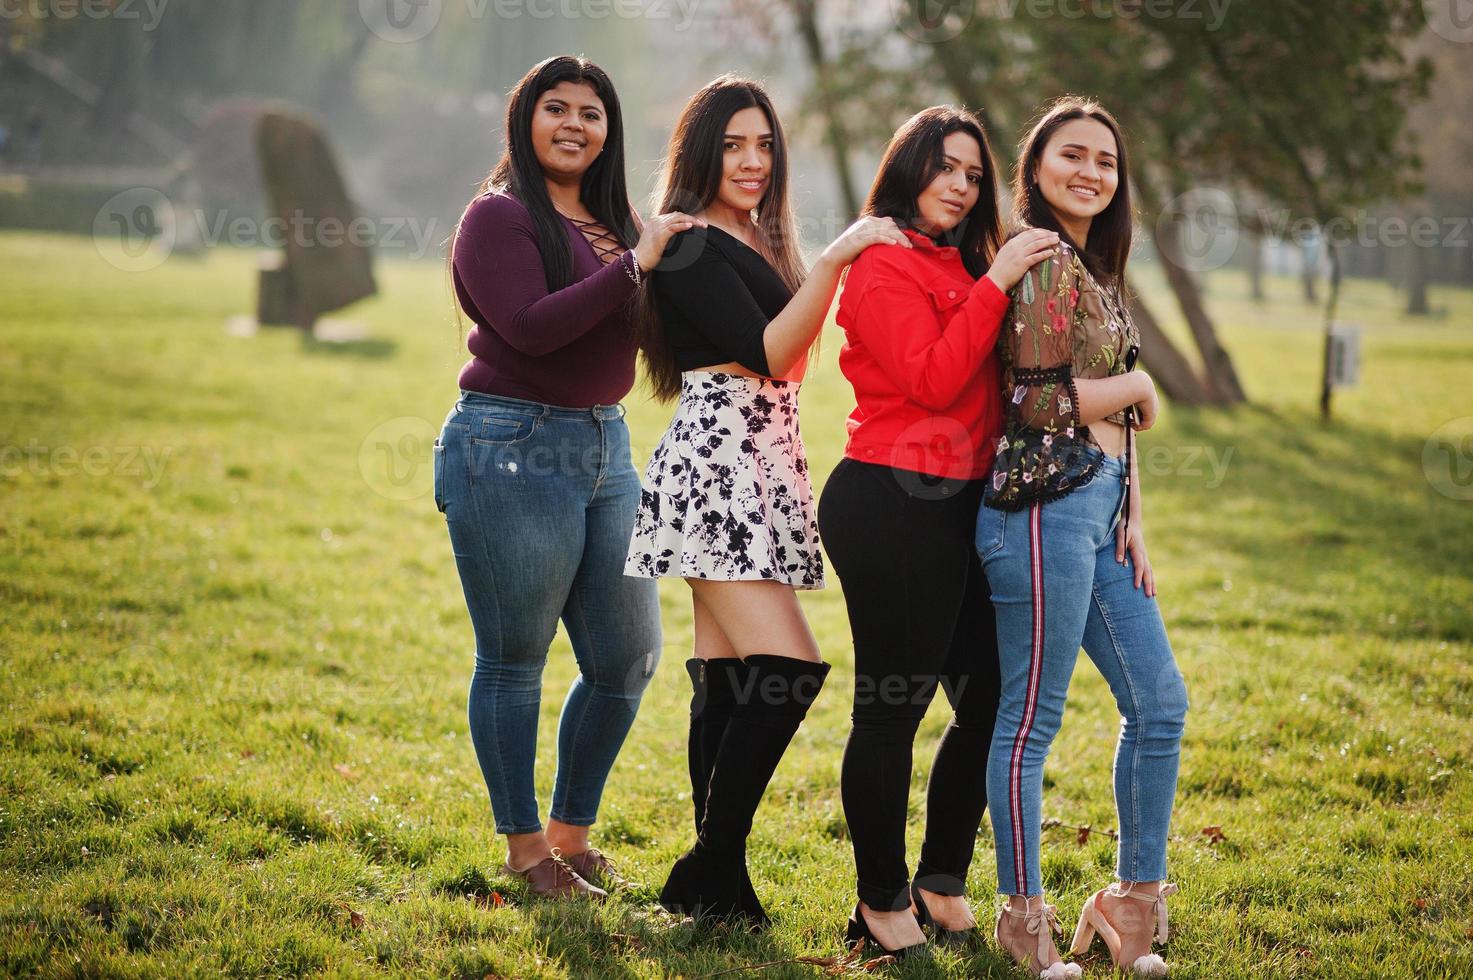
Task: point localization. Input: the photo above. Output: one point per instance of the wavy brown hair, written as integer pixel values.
(913, 158)
(690, 178)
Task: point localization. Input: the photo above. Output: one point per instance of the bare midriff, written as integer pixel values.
(732, 367)
(1110, 436)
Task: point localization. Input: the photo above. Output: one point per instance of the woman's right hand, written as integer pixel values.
(657, 234)
(1148, 406)
(861, 235)
(1019, 254)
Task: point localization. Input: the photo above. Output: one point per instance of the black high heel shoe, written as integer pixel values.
(857, 929)
(940, 935)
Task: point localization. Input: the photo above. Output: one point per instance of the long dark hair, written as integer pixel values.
(1108, 247)
(689, 181)
(913, 158)
(518, 173)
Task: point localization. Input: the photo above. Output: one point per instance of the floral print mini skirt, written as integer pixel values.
(726, 494)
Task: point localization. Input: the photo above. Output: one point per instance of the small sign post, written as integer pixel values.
(1342, 362)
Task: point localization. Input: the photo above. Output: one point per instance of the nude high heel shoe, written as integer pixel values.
(1039, 921)
(1092, 920)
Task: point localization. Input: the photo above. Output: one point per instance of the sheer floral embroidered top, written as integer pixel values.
(1061, 326)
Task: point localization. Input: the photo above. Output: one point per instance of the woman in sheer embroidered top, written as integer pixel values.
(1062, 546)
(1061, 326)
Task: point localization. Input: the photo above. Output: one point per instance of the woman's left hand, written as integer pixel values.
(1134, 543)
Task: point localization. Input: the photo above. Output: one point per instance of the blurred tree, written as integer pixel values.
(1440, 125)
(1302, 108)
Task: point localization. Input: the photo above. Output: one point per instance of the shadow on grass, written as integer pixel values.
(372, 348)
(623, 937)
(1339, 497)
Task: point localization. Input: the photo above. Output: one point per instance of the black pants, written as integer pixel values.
(920, 613)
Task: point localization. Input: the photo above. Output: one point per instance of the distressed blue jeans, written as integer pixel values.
(1056, 586)
(540, 503)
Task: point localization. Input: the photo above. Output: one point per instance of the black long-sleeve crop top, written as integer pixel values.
(716, 296)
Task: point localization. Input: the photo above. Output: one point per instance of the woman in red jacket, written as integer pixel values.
(898, 513)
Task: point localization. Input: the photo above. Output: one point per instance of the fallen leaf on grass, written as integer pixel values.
(342, 770)
(1214, 834)
(491, 901)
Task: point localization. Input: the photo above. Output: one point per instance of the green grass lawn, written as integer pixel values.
(233, 734)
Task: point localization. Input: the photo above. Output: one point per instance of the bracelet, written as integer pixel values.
(632, 269)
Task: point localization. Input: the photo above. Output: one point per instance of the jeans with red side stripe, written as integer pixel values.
(1056, 586)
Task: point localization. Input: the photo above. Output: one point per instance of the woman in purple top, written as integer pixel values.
(532, 468)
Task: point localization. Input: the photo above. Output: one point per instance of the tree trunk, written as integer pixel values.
(1170, 370)
(1309, 274)
(1221, 378)
(1255, 267)
(1418, 261)
(1330, 308)
(835, 134)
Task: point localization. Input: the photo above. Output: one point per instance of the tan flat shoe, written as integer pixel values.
(553, 878)
(1092, 920)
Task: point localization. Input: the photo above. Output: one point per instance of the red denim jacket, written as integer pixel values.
(921, 352)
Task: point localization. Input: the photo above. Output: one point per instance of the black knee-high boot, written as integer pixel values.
(709, 878)
(716, 685)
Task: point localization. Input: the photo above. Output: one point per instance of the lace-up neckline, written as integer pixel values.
(605, 245)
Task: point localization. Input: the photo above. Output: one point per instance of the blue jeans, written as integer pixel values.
(540, 503)
(1056, 586)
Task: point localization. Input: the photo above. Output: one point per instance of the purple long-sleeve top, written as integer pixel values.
(574, 347)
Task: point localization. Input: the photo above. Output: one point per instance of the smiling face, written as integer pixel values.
(746, 160)
(569, 126)
(953, 192)
(1078, 171)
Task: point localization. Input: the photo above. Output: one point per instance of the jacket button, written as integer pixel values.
(951, 294)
